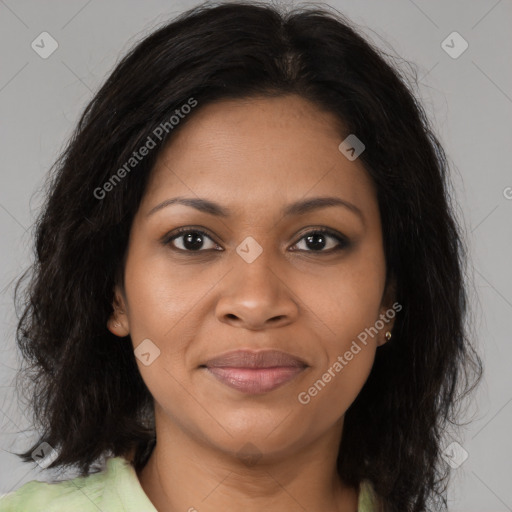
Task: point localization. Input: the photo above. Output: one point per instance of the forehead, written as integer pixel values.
(259, 151)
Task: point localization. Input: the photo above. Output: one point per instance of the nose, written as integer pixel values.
(255, 296)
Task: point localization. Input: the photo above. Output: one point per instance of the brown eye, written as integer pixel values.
(318, 240)
(193, 240)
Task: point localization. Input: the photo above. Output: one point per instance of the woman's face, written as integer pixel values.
(257, 280)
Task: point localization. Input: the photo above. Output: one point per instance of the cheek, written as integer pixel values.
(344, 299)
(333, 389)
(345, 306)
(167, 304)
(159, 301)
(159, 296)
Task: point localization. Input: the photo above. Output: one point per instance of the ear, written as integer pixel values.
(388, 311)
(118, 321)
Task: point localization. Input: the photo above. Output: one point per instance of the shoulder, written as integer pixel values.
(367, 498)
(81, 493)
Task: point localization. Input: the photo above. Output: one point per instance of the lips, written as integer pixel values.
(255, 372)
(252, 359)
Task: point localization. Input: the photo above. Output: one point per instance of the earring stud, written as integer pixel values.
(388, 335)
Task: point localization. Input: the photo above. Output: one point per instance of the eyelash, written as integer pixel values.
(342, 241)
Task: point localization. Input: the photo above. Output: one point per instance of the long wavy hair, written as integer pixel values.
(82, 382)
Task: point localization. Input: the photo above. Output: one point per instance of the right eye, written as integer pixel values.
(192, 240)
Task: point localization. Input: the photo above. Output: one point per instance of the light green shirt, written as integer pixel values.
(115, 489)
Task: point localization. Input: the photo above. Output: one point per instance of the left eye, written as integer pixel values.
(318, 237)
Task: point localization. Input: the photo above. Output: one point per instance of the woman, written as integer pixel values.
(249, 289)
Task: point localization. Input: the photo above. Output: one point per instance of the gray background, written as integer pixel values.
(468, 98)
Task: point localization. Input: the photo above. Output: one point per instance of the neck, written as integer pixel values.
(184, 473)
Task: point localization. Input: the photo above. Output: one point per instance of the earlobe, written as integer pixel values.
(388, 312)
(118, 322)
(387, 336)
(117, 327)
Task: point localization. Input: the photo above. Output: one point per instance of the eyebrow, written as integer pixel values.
(300, 207)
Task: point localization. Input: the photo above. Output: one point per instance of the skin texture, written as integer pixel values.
(254, 157)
